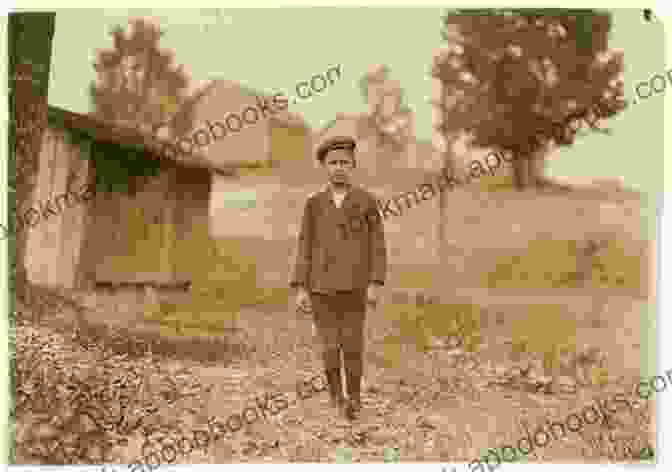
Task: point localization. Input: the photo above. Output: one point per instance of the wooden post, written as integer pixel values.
(441, 143)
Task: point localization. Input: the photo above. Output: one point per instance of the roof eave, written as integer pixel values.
(103, 131)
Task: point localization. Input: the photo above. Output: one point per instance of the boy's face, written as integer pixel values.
(339, 164)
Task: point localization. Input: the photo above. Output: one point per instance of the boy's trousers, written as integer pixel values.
(339, 319)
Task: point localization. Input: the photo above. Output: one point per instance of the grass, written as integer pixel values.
(415, 279)
(256, 169)
(613, 267)
(496, 183)
(417, 325)
(547, 332)
(549, 263)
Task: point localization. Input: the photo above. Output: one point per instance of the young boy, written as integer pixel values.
(341, 262)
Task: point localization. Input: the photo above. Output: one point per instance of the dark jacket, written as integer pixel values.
(340, 248)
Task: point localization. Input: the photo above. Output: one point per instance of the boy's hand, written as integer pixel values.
(303, 301)
(372, 295)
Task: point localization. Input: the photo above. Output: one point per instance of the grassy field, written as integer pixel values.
(224, 280)
(548, 264)
(555, 264)
(544, 333)
(224, 276)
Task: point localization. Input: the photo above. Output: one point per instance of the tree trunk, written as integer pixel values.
(441, 233)
(445, 164)
(528, 171)
(29, 64)
(521, 172)
(537, 169)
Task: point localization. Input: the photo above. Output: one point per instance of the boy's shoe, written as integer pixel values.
(337, 403)
(336, 399)
(353, 410)
(353, 407)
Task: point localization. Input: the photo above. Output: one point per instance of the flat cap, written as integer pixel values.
(336, 142)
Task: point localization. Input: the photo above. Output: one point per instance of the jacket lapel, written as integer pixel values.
(326, 202)
(352, 204)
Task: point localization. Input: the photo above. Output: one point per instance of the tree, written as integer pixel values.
(524, 79)
(137, 84)
(390, 117)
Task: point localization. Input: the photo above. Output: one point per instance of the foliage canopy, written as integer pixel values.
(521, 79)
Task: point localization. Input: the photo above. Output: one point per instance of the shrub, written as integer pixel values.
(416, 279)
(495, 183)
(555, 264)
(547, 332)
(613, 267)
(545, 264)
(417, 325)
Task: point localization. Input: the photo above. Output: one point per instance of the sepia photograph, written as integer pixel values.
(335, 235)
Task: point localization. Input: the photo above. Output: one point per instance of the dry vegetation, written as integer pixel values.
(80, 403)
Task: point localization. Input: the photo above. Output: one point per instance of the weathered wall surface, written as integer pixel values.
(143, 238)
(53, 246)
(109, 237)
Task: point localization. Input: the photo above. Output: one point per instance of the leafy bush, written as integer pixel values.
(494, 183)
(613, 267)
(257, 170)
(115, 166)
(417, 325)
(545, 264)
(416, 279)
(547, 332)
(549, 263)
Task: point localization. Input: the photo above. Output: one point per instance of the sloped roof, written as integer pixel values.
(104, 131)
(282, 118)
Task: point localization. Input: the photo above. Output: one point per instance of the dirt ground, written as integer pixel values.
(443, 405)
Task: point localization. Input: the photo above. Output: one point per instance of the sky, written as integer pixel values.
(273, 49)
